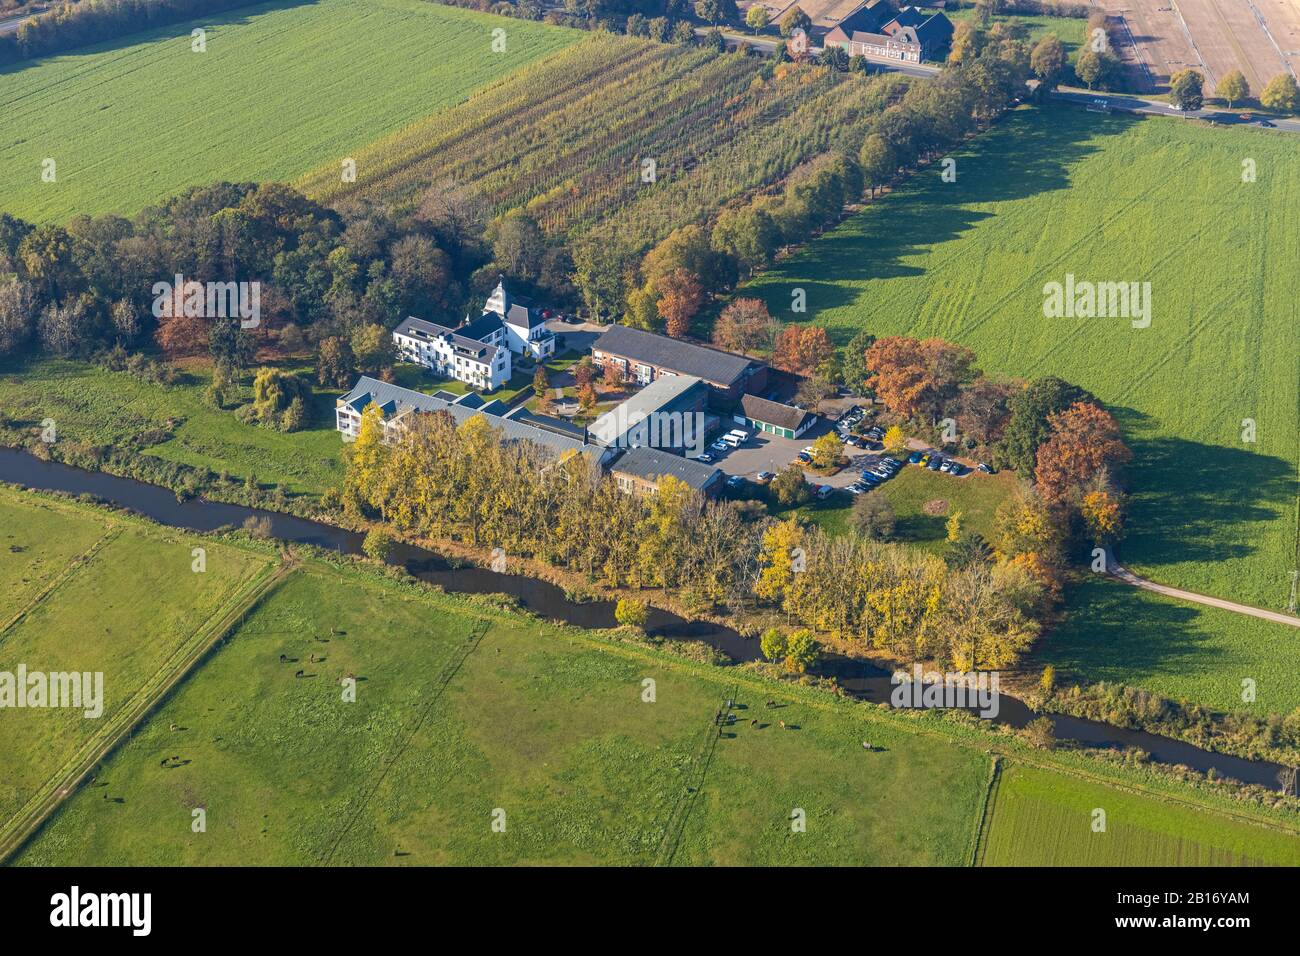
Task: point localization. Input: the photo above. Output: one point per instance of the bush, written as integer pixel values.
(631, 613)
(379, 545)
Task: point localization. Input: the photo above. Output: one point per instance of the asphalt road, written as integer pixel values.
(1137, 104)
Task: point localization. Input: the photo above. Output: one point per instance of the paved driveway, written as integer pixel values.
(763, 452)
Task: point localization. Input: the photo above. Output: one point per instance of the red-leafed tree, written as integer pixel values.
(918, 377)
(1085, 439)
(802, 349)
(745, 326)
(680, 298)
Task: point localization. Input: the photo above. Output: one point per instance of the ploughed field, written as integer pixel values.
(280, 89)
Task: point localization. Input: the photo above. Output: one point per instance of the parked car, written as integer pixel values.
(987, 469)
(719, 445)
(705, 458)
(914, 458)
(824, 491)
(735, 481)
(871, 445)
(856, 488)
(803, 458)
(763, 477)
(875, 431)
(1267, 124)
(934, 463)
(946, 467)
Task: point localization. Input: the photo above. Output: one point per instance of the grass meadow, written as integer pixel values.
(460, 712)
(466, 713)
(1184, 651)
(1043, 818)
(88, 591)
(1071, 31)
(93, 406)
(281, 88)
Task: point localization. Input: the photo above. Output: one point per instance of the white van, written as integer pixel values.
(734, 440)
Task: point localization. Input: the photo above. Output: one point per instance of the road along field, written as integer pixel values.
(1261, 38)
(1206, 393)
(1043, 818)
(280, 89)
(89, 592)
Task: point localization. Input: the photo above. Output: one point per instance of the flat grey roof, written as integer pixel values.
(652, 464)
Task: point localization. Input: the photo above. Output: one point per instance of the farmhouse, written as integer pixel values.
(645, 357)
(913, 35)
(773, 417)
(399, 405)
(667, 413)
(477, 353)
(638, 472)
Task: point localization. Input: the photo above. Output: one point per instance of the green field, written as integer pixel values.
(976, 496)
(1186, 651)
(536, 720)
(86, 591)
(282, 88)
(463, 709)
(1055, 191)
(91, 406)
(1042, 818)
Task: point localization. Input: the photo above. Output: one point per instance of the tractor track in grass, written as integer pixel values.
(15, 831)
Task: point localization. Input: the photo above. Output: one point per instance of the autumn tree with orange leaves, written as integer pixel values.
(1085, 442)
(802, 349)
(918, 377)
(680, 298)
(745, 326)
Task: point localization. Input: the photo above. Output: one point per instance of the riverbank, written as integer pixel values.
(858, 678)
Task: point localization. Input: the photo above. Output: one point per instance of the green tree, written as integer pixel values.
(873, 516)
(336, 366)
(541, 383)
(1089, 68)
(1047, 60)
(378, 544)
(757, 18)
(795, 19)
(789, 487)
(773, 644)
(1028, 425)
(827, 451)
(853, 363)
(877, 160)
(1186, 87)
(801, 651)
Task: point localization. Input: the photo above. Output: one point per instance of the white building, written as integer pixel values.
(478, 353)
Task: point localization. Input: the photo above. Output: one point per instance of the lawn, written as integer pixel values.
(458, 715)
(105, 594)
(96, 407)
(1043, 818)
(281, 88)
(1055, 191)
(976, 496)
(1183, 651)
(1071, 31)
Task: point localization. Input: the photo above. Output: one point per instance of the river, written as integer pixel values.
(860, 679)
